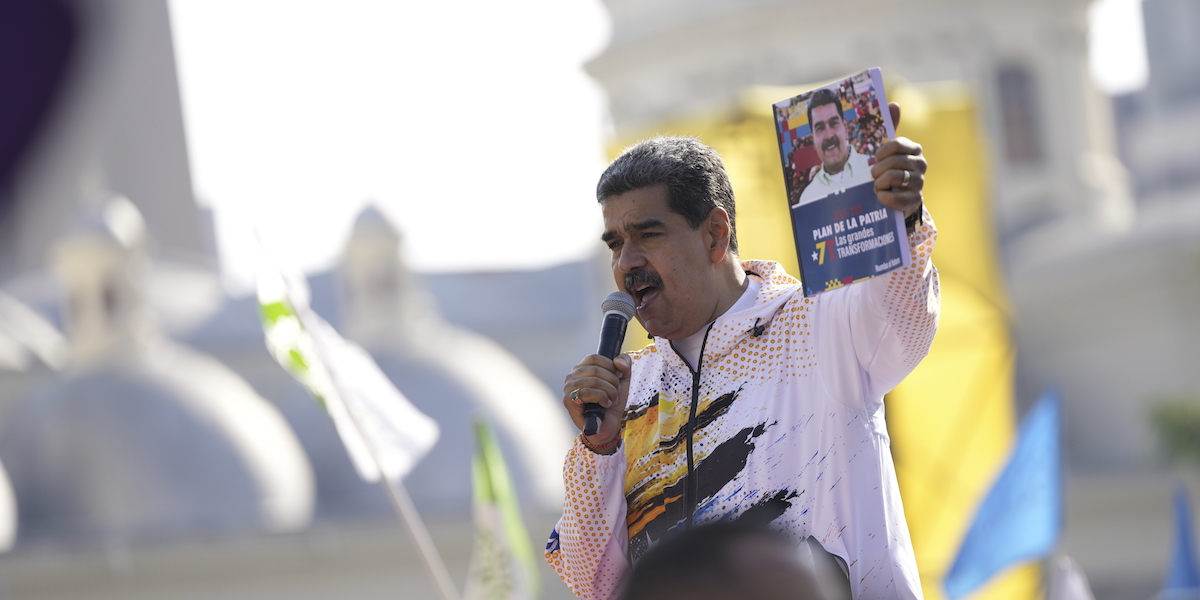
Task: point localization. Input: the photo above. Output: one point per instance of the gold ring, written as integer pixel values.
(575, 395)
(904, 183)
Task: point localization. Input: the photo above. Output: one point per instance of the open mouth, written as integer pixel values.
(642, 285)
(831, 144)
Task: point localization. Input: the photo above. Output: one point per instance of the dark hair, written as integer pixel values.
(693, 173)
(821, 97)
(702, 562)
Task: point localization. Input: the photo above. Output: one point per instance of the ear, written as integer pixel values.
(718, 234)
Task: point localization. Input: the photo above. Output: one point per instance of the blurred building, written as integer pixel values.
(1159, 125)
(139, 437)
(1050, 130)
(159, 417)
(1107, 317)
(115, 124)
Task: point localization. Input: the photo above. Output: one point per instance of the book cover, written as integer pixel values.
(827, 143)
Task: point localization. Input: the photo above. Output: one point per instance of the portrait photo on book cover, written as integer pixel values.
(828, 137)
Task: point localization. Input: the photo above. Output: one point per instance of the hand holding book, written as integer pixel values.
(899, 171)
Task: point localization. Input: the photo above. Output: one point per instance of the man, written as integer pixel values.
(753, 402)
(841, 166)
(725, 561)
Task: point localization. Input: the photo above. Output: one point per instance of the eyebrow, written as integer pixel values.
(650, 223)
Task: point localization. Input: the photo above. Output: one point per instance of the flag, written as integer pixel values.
(1021, 517)
(1183, 580)
(1067, 581)
(952, 421)
(383, 432)
(24, 334)
(502, 561)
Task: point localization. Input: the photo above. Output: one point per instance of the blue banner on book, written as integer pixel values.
(847, 236)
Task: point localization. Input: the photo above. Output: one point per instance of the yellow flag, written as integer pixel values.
(951, 421)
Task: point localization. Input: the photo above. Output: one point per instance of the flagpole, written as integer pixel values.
(416, 528)
(398, 496)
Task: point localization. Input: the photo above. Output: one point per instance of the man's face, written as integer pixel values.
(829, 137)
(661, 261)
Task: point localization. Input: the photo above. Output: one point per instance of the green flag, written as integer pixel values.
(502, 561)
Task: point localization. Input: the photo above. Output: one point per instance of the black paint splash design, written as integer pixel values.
(719, 468)
(724, 463)
(769, 508)
(633, 415)
(704, 418)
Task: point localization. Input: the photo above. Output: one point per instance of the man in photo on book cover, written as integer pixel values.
(841, 165)
(752, 402)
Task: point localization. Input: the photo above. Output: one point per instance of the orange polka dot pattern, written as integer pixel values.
(590, 553)
(913, 293)
(768, 388)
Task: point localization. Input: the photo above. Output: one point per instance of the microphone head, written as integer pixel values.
(621, 303)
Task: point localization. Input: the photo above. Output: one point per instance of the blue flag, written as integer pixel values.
(1182, 575)
(1021, 517)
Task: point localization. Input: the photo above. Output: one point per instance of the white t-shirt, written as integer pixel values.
(689, 347)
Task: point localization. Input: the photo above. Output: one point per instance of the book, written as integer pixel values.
(828, 138)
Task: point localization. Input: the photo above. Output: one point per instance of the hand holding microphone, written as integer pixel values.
(597, 387)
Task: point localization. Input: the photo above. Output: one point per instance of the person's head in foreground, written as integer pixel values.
(723, 561)
(669, 221)
(829, 130)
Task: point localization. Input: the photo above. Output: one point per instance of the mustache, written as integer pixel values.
(636, 277)
(831, 143)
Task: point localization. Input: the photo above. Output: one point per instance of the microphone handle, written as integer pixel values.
(612, 335)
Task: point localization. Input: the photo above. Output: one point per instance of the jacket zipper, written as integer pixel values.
(689, 492)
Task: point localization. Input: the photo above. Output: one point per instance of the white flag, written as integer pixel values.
(1067, 581)
(374, 420)
(25, 334)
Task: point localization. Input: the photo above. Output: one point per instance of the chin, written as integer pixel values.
(650, 329)
(655, 331)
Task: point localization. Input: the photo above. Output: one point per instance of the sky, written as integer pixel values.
(1117, 46)
(471, 124)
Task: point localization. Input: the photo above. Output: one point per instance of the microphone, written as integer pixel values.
(618, 308)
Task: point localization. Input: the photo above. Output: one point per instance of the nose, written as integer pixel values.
(629, 259)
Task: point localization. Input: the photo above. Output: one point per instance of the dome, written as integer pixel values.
(144, 448)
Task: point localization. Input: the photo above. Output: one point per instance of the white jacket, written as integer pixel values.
(782, 423)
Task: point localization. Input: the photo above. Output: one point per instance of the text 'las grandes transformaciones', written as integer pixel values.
(852, 235)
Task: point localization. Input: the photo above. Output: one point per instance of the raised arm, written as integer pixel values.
(886, 325)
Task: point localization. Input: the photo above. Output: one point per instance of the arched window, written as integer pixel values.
(1020, 120)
